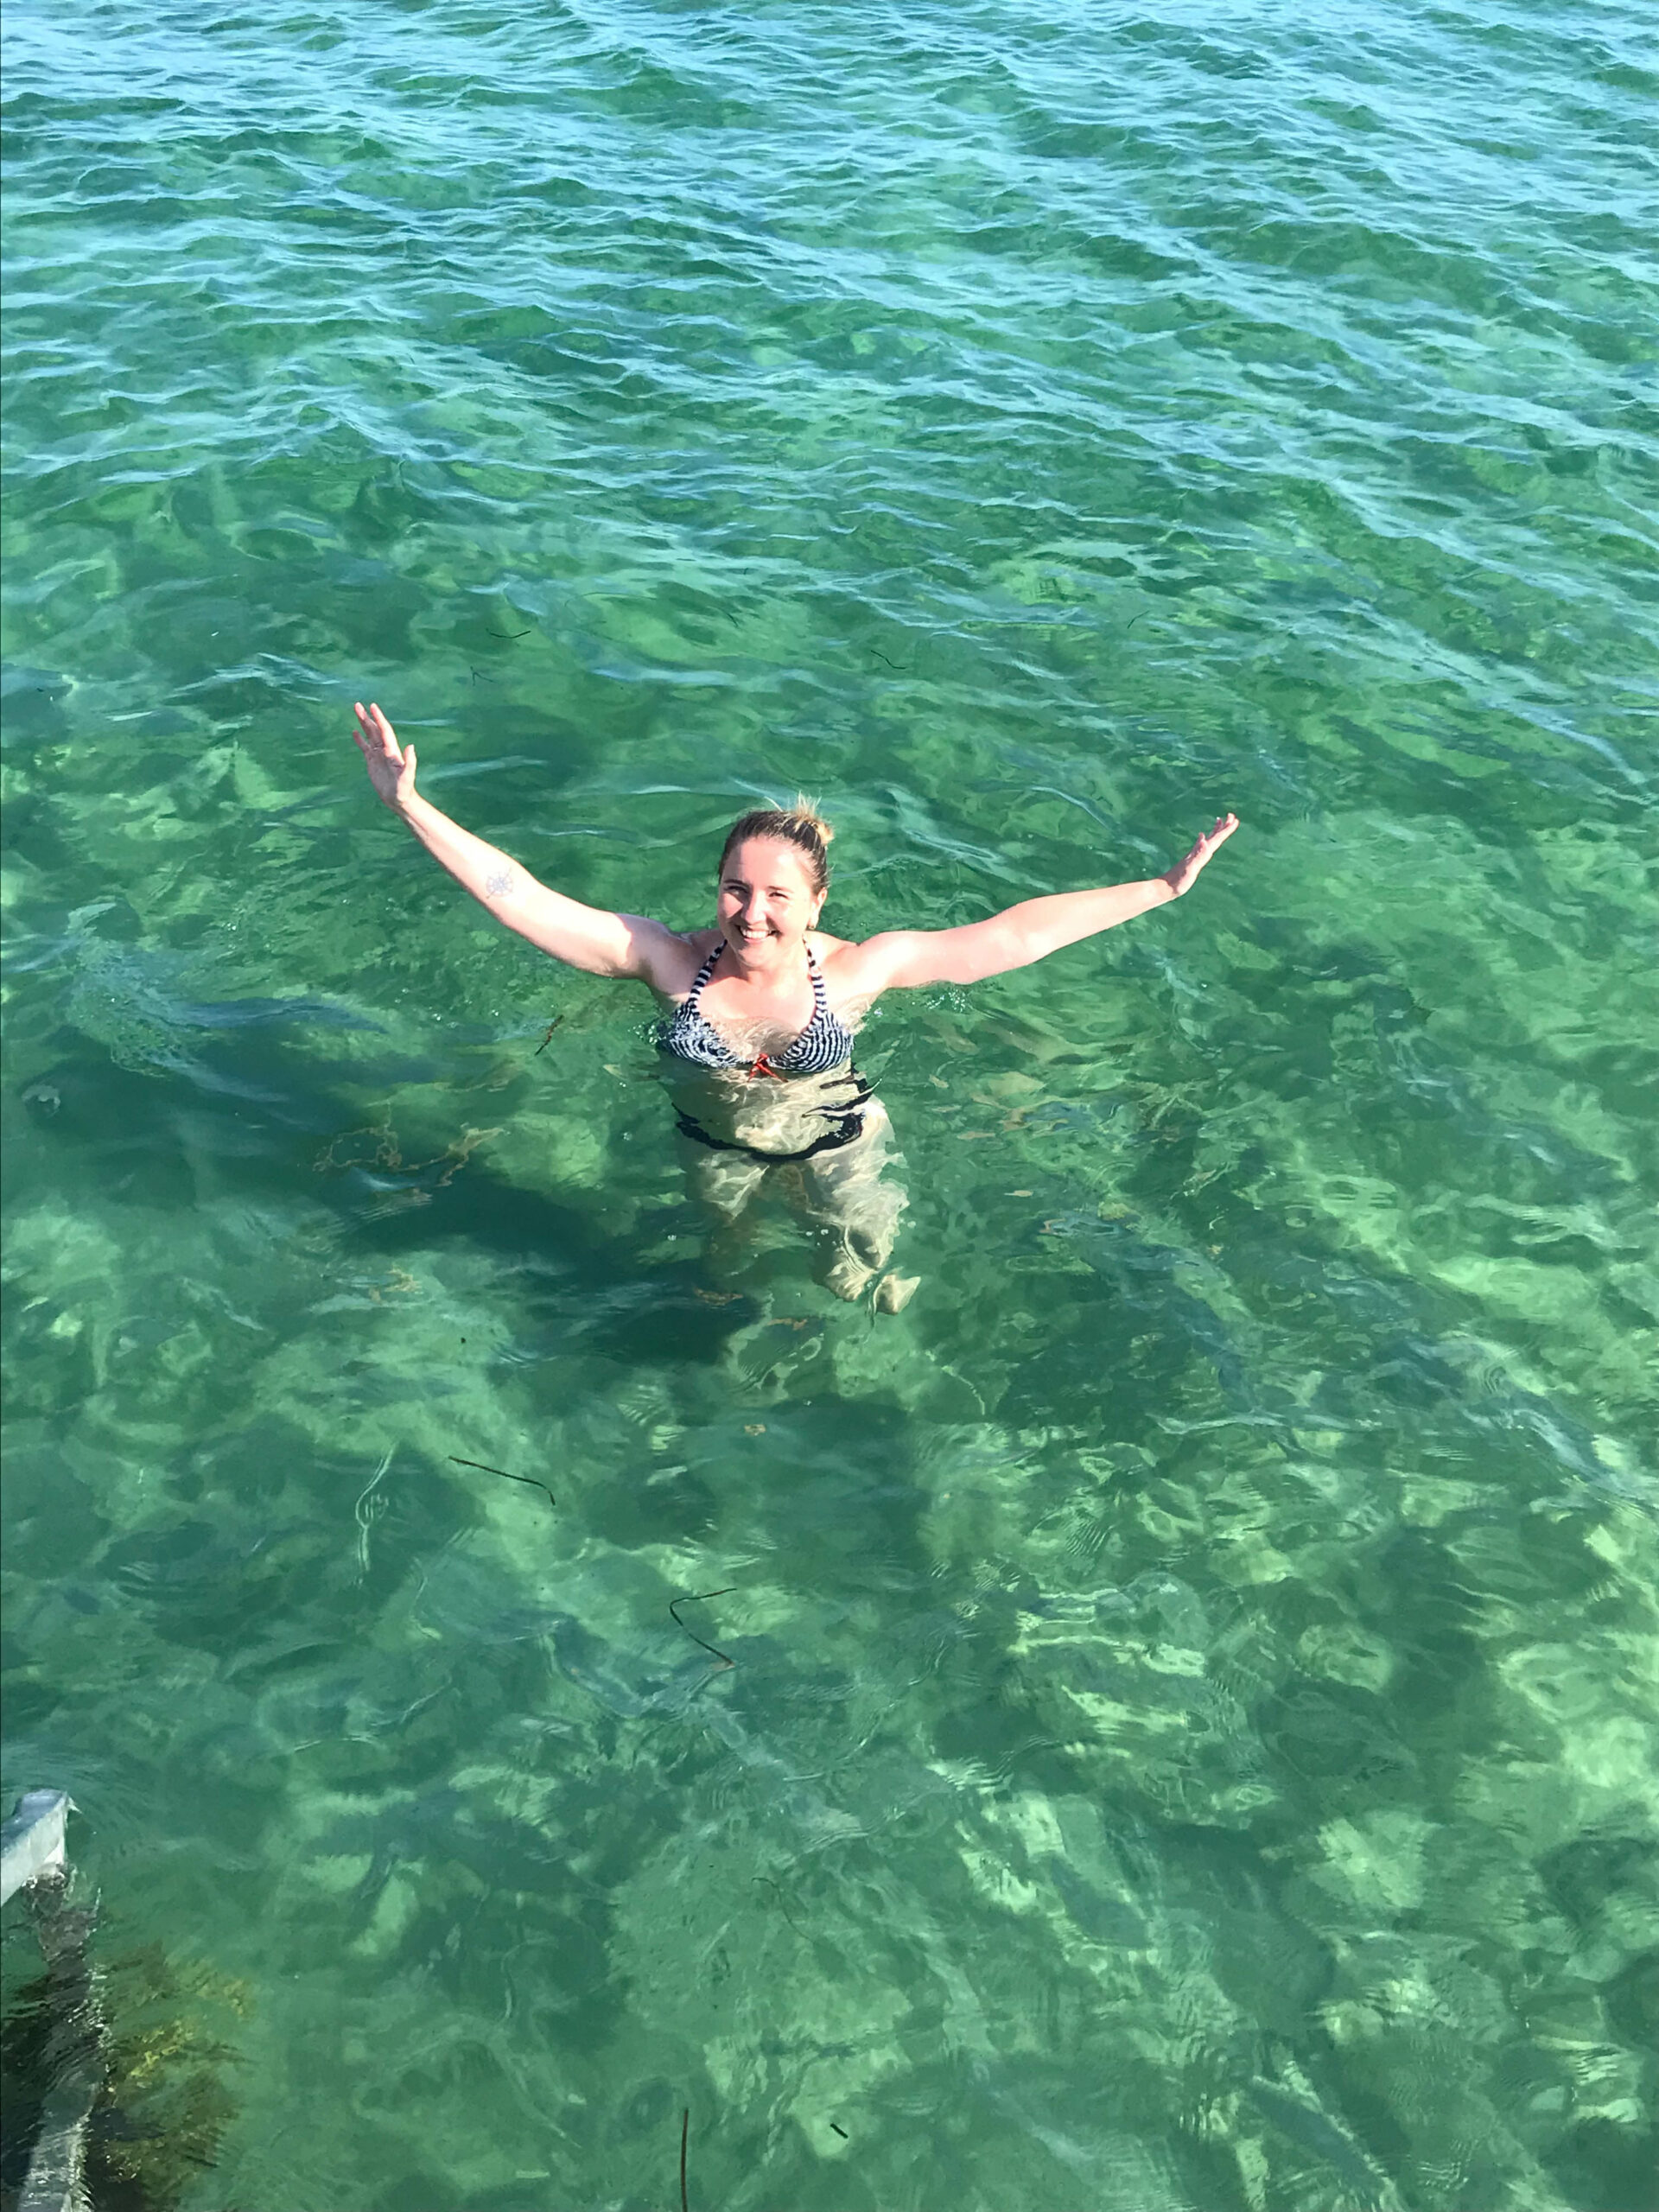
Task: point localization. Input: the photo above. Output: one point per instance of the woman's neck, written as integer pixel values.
(774, 967)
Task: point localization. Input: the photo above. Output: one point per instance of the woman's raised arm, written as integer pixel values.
(906, 959)
(622, 945)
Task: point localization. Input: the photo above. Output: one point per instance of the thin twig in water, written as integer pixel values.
(685, 2129)
(529, 1479)
(508, 634)
(548, 1040)
(698, 1598)
(765, 1881)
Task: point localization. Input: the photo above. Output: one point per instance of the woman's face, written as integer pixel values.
(767, 902)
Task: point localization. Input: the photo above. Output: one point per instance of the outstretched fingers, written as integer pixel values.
(374, 732)
(391, 767)
(1181, 876)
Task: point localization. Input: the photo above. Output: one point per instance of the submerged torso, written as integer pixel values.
(774, 1093)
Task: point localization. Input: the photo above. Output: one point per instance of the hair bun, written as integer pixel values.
(806, 812)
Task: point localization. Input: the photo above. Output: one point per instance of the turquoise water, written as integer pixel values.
(1191, 1737)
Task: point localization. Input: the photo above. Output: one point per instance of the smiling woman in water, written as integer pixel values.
(761, 1010)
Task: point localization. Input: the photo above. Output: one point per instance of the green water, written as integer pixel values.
(1190, 1744)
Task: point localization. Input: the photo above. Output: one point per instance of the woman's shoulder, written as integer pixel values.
(683, 952)
(854, 980)
(848, 954)
(858, 971)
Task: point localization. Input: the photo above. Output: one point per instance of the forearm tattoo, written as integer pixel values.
(499, 883)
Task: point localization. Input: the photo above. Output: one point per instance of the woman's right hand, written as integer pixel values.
(391, 767)
(1186, 872)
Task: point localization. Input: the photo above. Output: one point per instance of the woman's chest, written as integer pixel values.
(749, 1015)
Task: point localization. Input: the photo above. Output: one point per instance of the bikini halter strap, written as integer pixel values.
(814, 971)
(703, 974)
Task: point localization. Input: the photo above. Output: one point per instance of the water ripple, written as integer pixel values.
(1190, 1737)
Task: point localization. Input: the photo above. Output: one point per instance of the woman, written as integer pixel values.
(761, 1010)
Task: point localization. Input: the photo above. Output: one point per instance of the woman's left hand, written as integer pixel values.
(1186, 873)
(391, 767)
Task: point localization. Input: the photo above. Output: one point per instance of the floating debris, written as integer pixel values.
(701, 1597)
(505, 1476)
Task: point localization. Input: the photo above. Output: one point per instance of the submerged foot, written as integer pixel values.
(894, 1292)
(849, 1277)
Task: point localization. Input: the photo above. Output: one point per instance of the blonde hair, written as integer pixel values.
(800, 825)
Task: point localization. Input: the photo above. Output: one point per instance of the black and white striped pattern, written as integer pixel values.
(826, 1043)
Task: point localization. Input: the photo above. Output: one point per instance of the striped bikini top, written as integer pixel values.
(826, 1043)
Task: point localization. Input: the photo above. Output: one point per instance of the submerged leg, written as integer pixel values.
(722, 1183)
(857, 1205)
